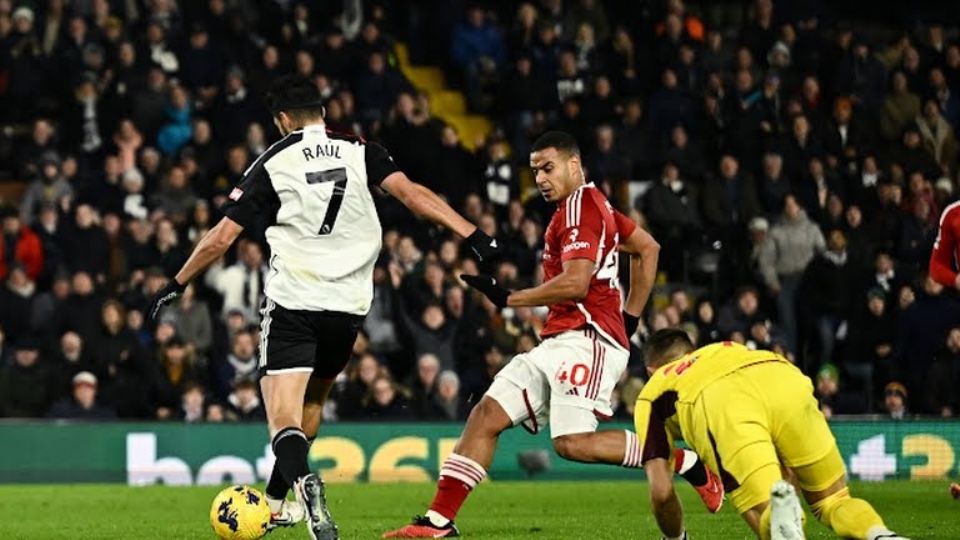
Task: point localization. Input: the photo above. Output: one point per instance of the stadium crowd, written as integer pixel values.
(793, 169)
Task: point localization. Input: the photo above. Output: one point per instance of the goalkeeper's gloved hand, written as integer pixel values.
(166, 295)
(630, 323)
(482, 245)
(489, 287)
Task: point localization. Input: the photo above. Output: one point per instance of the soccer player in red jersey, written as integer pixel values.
(946, 250)
(565, 382)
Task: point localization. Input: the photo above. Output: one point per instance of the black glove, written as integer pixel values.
(168, 294)
(488, 286)
(482, 245)
(630, 323)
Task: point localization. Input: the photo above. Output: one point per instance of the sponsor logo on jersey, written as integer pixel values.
(575, 246)
(235, 194)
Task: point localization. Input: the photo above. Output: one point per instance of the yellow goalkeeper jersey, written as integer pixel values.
(682, 381)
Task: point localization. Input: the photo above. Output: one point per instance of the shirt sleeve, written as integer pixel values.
(650, 419)
(379, 163)
(580, 238)
(625, 225)
(944, 250)
(252, 197)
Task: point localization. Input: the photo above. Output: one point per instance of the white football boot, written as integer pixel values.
(289, 513)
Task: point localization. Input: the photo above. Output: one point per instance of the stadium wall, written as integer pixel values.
(207, 454)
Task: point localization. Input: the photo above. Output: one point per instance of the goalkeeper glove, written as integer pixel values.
(167, 294)
(488, 286)
(482, 245)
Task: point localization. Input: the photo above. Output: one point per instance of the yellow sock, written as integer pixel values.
(848, 517)
(765, 523)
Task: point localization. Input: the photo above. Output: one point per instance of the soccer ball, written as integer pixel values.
(240, 513)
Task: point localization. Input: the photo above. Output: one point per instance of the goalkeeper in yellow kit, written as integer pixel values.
(746, 413)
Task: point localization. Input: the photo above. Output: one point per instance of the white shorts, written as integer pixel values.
(567, 381)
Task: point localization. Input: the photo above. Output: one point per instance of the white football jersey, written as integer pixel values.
(312, 187)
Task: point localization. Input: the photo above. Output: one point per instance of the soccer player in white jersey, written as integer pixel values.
(312, 188)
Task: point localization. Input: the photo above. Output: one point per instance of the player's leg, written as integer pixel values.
(283, 398)
(284, 513)
(729, 428)
(825, 488)
(580, 393)
(508, 402)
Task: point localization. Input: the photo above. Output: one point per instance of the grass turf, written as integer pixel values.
(500, 510)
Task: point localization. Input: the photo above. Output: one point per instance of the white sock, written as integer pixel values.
(632, 455)
(683, 536)
(689, 460)
(878, 532)
(437, 519)
(274, 504)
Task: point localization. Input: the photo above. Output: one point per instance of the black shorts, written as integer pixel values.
(318, 342)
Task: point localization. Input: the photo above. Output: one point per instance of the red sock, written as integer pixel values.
(458, 476)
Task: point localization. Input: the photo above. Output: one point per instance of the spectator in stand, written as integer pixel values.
(448, 402)
(191, 316)
(872, 336)
(19, 245)
(895, 401)
(900, 108)
(240, 364)
(385, 401)
(830, 285)
(240, 284)
(86, 244)
(943, 381)
(740, 313)
(243, 402)
(352, 391)
(921, 329)
(793, 242)
(176, 374)
(477, 48)
(937, 135)
(50, 187)
(423, 387)
(192, 403)
(83, 403)
(71, 359)
(25, 383)
(671, 209)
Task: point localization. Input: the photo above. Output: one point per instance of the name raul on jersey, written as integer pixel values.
(328, 150)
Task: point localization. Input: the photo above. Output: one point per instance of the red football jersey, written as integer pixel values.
(946, 250)
(585, 226)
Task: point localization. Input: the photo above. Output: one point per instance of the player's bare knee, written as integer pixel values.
(569, 447)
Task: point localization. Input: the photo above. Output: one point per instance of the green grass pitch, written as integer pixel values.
(498, 510)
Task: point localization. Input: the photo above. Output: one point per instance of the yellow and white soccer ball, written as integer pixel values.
(240, 513)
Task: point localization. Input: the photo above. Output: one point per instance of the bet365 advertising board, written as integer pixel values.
(207, 454)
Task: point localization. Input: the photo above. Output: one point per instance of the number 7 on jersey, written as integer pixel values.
(339, 178)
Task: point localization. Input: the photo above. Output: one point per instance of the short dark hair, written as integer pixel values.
(562, 141)
(295, 95)
(665, 346)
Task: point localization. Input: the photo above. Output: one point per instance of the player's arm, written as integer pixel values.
(644, 253)
(382, 171)
(424, 202)
(941, 259)
(251, 198)
(211, 247)
(656, 445)
(570, 285)
(580, 250)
